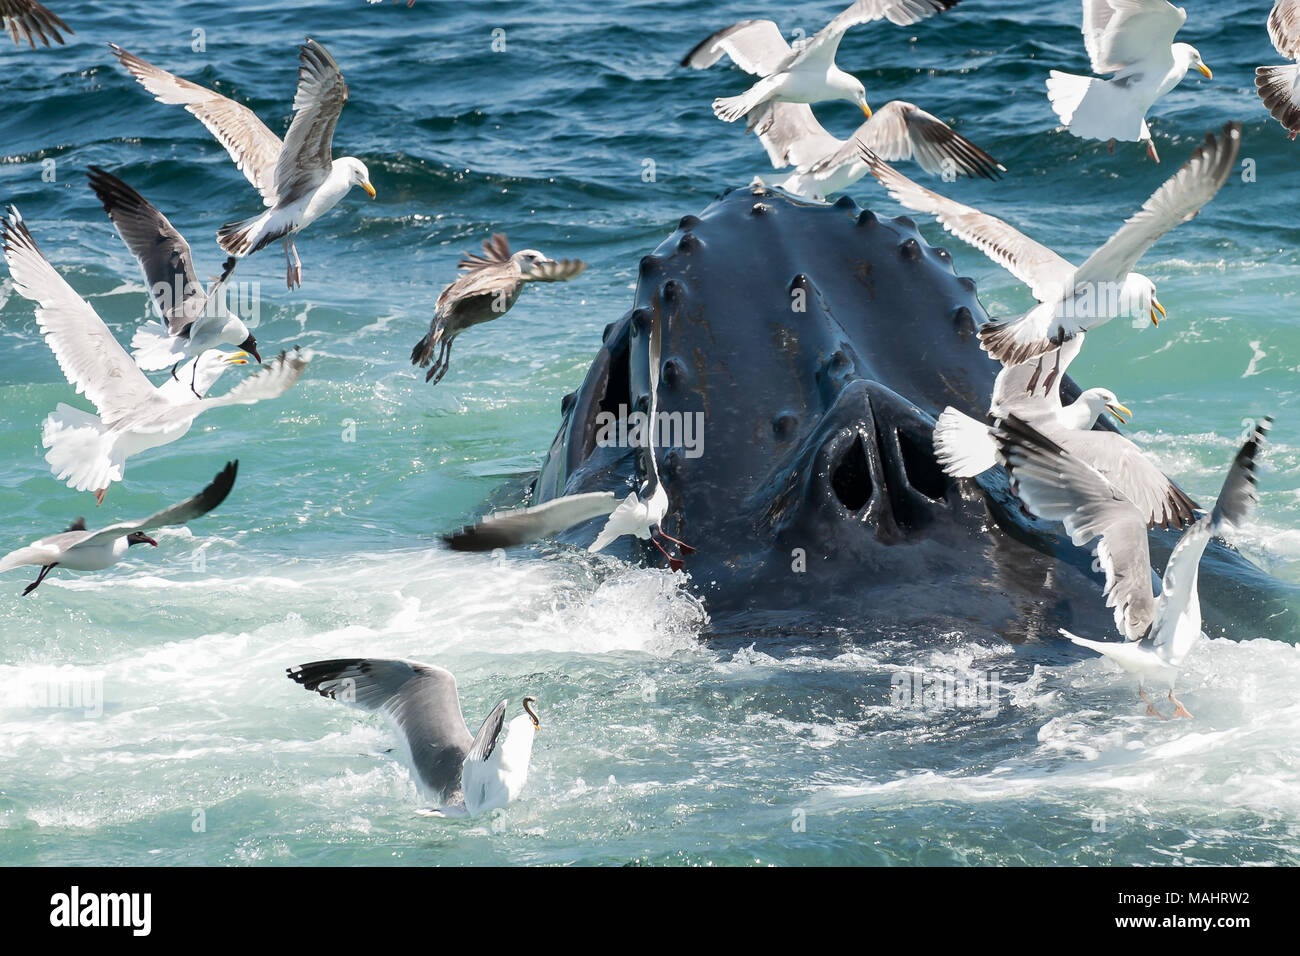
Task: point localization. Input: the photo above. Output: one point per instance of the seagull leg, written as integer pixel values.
(1151, 707)
(1051, 376)
(682, 545)
(674, 563)
(293, 274)
(193, 379)
(99, 496)
(39, 578)
(1179, 709)
(443, 363)
(297, 266)
(174, 368)
(1033, 379)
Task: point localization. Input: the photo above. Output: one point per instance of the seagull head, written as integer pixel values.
(250, 345)
(1188, 54)
(527, 260)
(1112, 404)
(139, 537)
(532, 714)
(1138, 296)
(358, 175)
(859, 98)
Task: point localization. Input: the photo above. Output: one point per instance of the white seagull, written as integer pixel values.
(1279, 86)
(965, 447)
(804, 75)
(825, 164)
(298, 178)
(1134, 40)
(90, 451)
(1160, 630)
(639, 514)
(1073, 300)
(80, 550)
(28, 20)
(459, 772)
(193, 319)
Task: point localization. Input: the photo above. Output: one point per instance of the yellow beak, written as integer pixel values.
(1120, 412)
(1205, 71)
(865, 109)
(1155, 305)
(369, 189)
(237, 358)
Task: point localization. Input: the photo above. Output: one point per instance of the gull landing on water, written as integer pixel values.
(460, 772)
(486, 291)
(81, 550)
(192, 320)
(807, 74)
(1134, 40)
(1074, 300)
(1160, 630)
(298, 178)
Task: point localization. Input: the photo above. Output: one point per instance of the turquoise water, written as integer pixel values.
(655, 746)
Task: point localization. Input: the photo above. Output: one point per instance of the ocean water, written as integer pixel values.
(583, 138)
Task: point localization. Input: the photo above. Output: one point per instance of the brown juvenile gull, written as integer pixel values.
(28, 20)
(83, 550)
(486, 291)
(1279, 86)
(298, 178)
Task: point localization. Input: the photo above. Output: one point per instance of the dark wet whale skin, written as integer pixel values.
(817, 505)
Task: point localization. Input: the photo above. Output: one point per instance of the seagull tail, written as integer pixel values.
(731, 108)
(1002, 340)
(962, 445)
(245, 237)
(1098, 646)
(422, 354)
(1066, 91)
(80, 449)
(153, 347)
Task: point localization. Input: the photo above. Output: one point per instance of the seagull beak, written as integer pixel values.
(370, 190)
(150, 540)
(1205, 71)
(1120, 412)
(1156, 306)
(866, 110)
(237, 358)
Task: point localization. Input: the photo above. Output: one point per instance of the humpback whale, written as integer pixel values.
(811, 347)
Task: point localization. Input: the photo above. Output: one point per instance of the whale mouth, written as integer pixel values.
(851, 479)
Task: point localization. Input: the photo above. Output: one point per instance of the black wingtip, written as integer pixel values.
(219, 488)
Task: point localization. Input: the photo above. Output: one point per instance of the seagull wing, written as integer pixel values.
(1056, 486)
(756, 46)
(485, 741)
(791, 134)
(1117, 33)
(495, 251)
(419, 700)
(900, 130)
(1032, 263)
(87, 353)
(1179, 199)
(272, 381)
(898, 12)
(505, 529)
(309, 145)
(1284, 28)
(28, 20)
(252, 146)
(182, 513)
(161, 250)
(1161, 502)
(555, 270)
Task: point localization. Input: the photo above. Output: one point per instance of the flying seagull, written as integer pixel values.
(462, 773)
(1279, 86)
(81, 550)
(807, 74)
(298, 179)
(486, 291)
(825, 164)
(90, 451)
(640, 513)
(1134, 40)
(1159, 629)
(965, 447)
(1073, 300)
(28, 20)
(193, 319)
